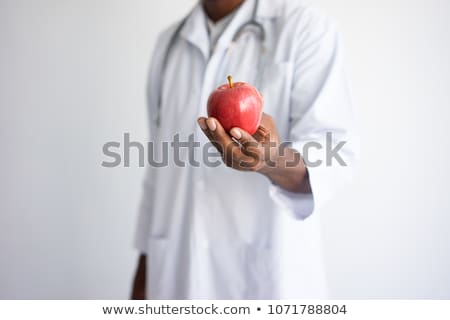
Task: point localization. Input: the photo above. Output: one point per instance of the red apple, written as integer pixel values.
(236, 105)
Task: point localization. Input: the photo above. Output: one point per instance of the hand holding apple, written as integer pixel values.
(236, 109)
(258, 152)
(248, 139)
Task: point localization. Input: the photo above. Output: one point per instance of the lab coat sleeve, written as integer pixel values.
(144, 214)
(152, 96)
(321, 113)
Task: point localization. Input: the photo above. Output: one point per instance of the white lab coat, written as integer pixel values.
(218, 233)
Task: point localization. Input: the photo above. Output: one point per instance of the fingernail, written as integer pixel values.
(202, 124)
(211, 124)
(236, 133)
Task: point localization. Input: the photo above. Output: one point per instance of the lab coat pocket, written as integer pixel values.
(275, 87)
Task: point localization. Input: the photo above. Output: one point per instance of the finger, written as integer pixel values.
(249, 146)
(218, 133)
(202, 124)
(220, 139)
(242, 136)
(263, 131)
(261, 134)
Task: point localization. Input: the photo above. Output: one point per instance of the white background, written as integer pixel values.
(72, 77)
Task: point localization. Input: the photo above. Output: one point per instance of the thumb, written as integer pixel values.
(244, 138)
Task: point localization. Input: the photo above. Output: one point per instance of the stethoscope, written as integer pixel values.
(256, 27)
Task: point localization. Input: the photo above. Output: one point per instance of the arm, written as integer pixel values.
(290, 178)
(138, 290)
(145, 211)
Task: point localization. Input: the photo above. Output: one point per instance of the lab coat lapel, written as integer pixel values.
(270, 8)
(195, 32)
(243, 15)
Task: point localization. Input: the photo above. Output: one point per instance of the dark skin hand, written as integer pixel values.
(260, 153)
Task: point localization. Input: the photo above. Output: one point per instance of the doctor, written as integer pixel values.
(227, 232)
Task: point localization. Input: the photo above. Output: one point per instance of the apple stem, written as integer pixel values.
(230, 81)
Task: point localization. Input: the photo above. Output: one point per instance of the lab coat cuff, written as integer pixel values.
(141, 236)
(299, 205)
(140, 244)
